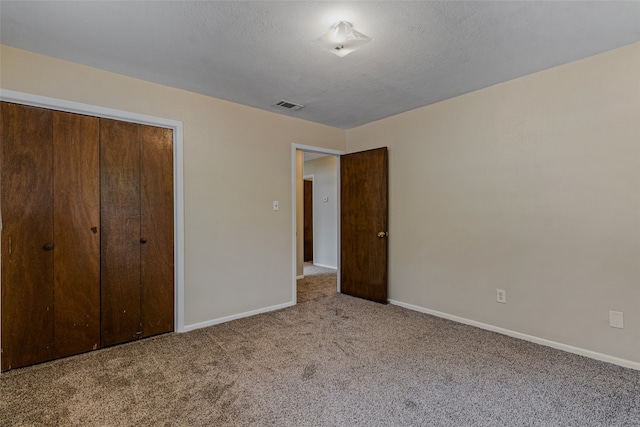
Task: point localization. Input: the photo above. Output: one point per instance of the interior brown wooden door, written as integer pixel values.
(363, 224)
(27, 235)
(120, 223)
(308, 220)
(137, 231)
(76, 233)
(87, 236)
(156, 228)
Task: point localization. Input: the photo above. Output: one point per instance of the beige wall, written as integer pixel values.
(237, 160)
(532, 186)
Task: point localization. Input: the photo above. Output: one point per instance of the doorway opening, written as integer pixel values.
(315, 263)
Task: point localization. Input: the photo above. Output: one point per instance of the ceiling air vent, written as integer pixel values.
(288, 105)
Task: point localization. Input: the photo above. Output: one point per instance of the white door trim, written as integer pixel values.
(178, 171)
(311, 149)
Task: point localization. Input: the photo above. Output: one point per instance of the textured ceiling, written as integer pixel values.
(256, 53)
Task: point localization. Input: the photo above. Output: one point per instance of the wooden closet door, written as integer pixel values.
(156, 252)
(27, 235)
(76, 233)
(308, 221)
(120, 223)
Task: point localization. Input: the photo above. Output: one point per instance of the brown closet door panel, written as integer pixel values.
(26, 200)
(77, 233)
(308, 221)
(156, 163)
(120, 224)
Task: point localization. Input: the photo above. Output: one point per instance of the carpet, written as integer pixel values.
(318, 282)
(331, 360)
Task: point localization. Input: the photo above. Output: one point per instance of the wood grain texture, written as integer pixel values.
(27, 216)
(76, 231)
(308, 221)
(120, 227)
(363, 214)
(157, 262)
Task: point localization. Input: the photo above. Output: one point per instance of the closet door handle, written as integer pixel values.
(48, 246)
(143, 241)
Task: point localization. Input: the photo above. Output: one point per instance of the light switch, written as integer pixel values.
(616, 319)
(275, 205)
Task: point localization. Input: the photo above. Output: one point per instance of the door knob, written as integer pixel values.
(382, 234)
(48, 246)
(143, 241)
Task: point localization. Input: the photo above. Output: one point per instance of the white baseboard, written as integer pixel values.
(219, 320)
(553, 344)
(326, 266)
(300, 277)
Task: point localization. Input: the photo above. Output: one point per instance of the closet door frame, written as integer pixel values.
(178, 171)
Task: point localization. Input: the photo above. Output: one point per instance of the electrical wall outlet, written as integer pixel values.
(616, 319)
(501, 296)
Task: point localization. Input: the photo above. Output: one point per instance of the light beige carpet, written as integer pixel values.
(318, 282)
(331, 360)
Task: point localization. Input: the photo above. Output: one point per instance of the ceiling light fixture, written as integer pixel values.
(342, 39)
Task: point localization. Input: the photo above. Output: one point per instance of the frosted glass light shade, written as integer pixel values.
(342, 39)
